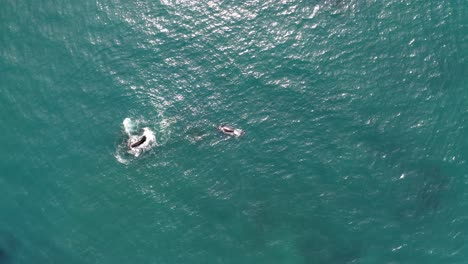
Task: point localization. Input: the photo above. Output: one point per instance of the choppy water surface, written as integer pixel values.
(355, 116)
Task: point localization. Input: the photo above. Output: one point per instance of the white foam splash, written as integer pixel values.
(129, 126)
(314, 13)
(132, 132)
(121, 159)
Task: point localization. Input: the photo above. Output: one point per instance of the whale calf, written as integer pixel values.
(231, 131)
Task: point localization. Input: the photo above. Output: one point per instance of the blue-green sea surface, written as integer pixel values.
(355, 113)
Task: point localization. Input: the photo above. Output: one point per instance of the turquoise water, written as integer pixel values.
(355, 115)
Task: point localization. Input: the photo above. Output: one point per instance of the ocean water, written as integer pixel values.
(355, 115)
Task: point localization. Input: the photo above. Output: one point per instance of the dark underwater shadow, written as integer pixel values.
(417, 184)
(317, 239)
(4, 257)
(421, 192)
(325, 246)
(8, 245)
(13, 249)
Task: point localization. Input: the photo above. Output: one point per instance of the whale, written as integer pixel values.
(138, 143)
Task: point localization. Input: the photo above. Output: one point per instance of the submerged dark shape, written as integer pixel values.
(423, 190)
(139, 142)
(433, 186)
(7, 247)
(4, 257)
(231, 131)
(323, 248)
